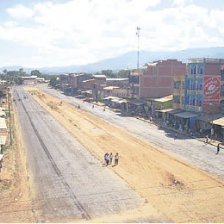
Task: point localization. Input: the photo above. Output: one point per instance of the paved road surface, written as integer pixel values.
(70, 183)
(191, 150)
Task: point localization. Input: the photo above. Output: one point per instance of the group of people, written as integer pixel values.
(109, 158)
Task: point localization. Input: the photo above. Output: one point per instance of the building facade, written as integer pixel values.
(203, 85)
(157, 79)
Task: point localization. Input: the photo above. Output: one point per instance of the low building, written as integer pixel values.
(121, 82)
(29, 80)
(108, 90)
(156, 80)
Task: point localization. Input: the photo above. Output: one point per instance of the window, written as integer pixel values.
(177, 85)
(222, 75)
(176, 99)
(201, 69)
(193, 69)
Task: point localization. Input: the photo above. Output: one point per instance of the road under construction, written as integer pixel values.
(64, 146)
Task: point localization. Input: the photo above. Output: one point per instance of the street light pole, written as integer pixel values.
(138, 35)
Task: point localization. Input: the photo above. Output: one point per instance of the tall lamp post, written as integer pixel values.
(138, 35)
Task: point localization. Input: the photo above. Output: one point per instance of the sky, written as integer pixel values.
(45, 33)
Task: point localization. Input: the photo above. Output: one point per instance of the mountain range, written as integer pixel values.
(129, 60)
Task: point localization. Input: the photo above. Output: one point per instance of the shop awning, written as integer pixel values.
(174, 111)
(2, 140)
(186, 115)
(209, 117)
(2, 124)
(137, 103)
(219, 121)
(165, 110)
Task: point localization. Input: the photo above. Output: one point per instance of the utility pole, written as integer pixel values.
(138, 35)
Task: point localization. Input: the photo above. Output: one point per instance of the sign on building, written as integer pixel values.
(211, 91)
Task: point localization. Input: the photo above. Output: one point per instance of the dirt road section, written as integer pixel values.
(15, 200)
(180, 191)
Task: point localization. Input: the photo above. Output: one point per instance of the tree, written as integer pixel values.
(108, 73)
(36, 73)
(5, 71)
(54, 81)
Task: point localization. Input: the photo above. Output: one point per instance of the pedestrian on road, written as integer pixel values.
(93, 106)
(218, 148)
(107, 159)
(207, 139)
(116, 159)
(111, 158)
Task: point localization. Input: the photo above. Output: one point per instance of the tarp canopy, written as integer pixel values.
(2, 140)
(186, 115)
(219, 121)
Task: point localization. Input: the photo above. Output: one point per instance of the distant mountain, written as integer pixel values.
(129, 60)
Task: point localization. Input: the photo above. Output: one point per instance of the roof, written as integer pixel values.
(87, 91)
(164, 99)
(186, 114)
(1, 156)
(174, 111)
(99, 76)
(117, 79)
(2, 123)
(209, 117)
(137, 103)
(151, 64)
(2, 113)
(165, 110)
(87, 80)
(110, 87)
(2, 140)
(219, 121)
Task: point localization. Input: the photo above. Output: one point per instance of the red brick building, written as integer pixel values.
(158, 77)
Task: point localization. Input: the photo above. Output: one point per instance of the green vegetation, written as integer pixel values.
(111, 74)
(6, 185)
(15, 77)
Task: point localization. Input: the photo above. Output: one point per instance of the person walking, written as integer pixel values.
(107, 159)
(111, 158)
(218, 148)
(116, 159)
(207, 139)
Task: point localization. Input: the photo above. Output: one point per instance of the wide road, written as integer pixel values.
(191, 150)
(68, 183)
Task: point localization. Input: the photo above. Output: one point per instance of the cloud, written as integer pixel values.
(83, 31)
(20, 12)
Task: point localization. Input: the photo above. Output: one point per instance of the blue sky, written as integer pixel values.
(39, 33)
